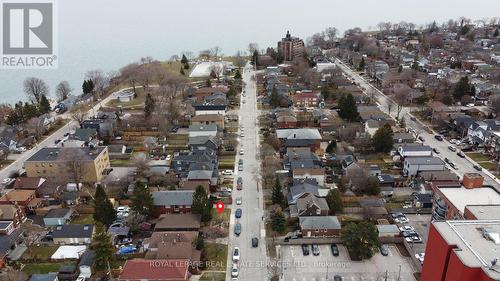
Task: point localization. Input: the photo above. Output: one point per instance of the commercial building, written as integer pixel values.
(291, 47)
(69, 164)
(462, 251)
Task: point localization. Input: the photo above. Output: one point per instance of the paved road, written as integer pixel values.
(252, 264)
(464, 165)
(49, 141)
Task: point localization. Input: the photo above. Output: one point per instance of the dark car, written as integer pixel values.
(461, 154)
(305, 250)
(337, 278)
(435, 151)
(255, 242)
(421, 138)
(239, 183)
(237, 229)
(315, 249)
(335, 250)
(57, 141)
(238, 213)
(447, 161)
(438, 137)
(477, 167)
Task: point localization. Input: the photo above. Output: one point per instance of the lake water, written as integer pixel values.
(107, 34)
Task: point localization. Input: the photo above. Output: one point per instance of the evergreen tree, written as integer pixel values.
(231, 92)
(142, 201)
(182, 72)
(362, 64)
(104, 211)
(200, 200)
(400, 68)
(255, 58)
(462, 88)
(331, 146)
(361, 239)
(186, 66)
(184, 60)
(29, 110)
(277, 193)
(200, 243)
(103, 248)
(237, 74)
(208, 83)
(274, 99)
(347, 108)
(495, 34)
(334, 200)
(372, 187)
(149, 105)
(278, 222)
(382, 139)
(44, 106)
(206, 214)
(88, 86)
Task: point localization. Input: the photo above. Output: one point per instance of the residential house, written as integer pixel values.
(301, 188)
(306, 99)
(204, 92)
(173, 201)
(9, 243)
(57, 217)
(157, 270)
(178, 222)
(203, 143)
(60, 164)
(286, 120)
(179, 245)
(423, 200)
(207, 119)
(182, 162)
(300, 137)
(403, 138)
(23, 198)
(415, 150)
(376, 68)
(35, 183)
(8, 138)
(84, 134)
(86, 263)
(309, 205)
(105, 126)
(118, 231)
(304, 165)
(203, 109)
(320, 226)
(67, 272)
(413, 165)
(73, 234)
(486, 132)
(200, 130)
(12, 213)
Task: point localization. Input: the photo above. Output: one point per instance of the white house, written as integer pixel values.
(415, 150)
(413, 165)
(200, 130)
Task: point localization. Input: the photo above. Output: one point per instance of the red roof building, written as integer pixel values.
(158, 270)
(309, 99)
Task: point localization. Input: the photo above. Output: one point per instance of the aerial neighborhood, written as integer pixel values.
(335, 157)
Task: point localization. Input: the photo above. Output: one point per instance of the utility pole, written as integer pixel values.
(327, 273)
(399, 274)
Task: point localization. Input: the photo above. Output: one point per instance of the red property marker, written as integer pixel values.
(220, 207)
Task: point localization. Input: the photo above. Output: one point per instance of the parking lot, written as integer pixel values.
(325, 266)
(421, 224)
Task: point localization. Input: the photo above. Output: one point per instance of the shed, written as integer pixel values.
(387, 230)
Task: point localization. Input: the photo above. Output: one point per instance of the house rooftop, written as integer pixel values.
(58, 213)
(471, 245)
(73, 231)
(43, 277)
(17, 195)
(461, 196)
(51, 154)
(484, 212)
(424, 161)
(173, 197)
(319, 222)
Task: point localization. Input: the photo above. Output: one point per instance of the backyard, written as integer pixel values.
(217, 255)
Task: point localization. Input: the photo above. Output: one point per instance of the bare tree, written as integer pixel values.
(239, 60)
(252, 47)
(217, 69)
(35, 126)
(35, 88)
(14, 275)
(401, 94)
(495, 104)
(100, 79)
(174, 58)
(129, 72)
(331, 33)
(63, 90)
(78, 114)
(215, 51)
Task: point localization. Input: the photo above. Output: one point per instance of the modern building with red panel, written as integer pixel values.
(462, 250)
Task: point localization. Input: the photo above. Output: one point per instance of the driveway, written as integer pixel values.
(297, 267)
(252, 265)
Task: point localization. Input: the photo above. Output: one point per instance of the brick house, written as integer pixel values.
(24, 198)
(306, 99)
(157, 270)
(320, 226)
(12, 213)
(207, 119)
(173, 201)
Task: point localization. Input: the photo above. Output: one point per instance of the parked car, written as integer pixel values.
(237, 229)
(420, 257)
(242, 152)
(421, 138)
(238, 201)
(438, 137)
(238, 213)
(461, 154)
(452, 165)
(384, 250)
(447, 161)
(239, 183)
(234, 271)
(406, 228)
(338, 277)
(227, 172)
(236, 254)
(435, 151)
(305, 249)
(477, 167)
(452, 148)
(335, 250)
(255, 242)
(315, 249)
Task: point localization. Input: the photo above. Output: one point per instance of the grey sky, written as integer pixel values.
(107, 34)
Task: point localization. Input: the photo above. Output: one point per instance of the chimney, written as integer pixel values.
(472, 180)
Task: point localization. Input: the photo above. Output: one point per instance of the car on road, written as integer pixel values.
(335, 250)
(8, 181)
(447, 161)
(315, 249)
(238, 201)
(238, 213)
(57, 141)
(384, 250)
(435, 151)
(461, 154)
(452, 148)
(305, 249)
(239, 183)
(337, 278)
(477, 167)
(242, 152)
(438, 137)
(421, 138)
(234, 271)
(412, 118)
(227, 172)
(237, 229)
(452, 165)
(255, 242)
(242, 134)
(236, 254)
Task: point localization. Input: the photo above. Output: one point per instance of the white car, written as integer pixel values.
(406, 228)
(420, 257)
(122, 215)
(7, 181)
(238, 201)
(227, 172)
(242, 135)
(169, 157)
(234, 271)
(236, 254)
(234, 279)
(122, 209)
(242, 152)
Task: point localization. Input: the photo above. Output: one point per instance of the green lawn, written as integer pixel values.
(213, 276)
(216, 256)
(478, 157)
(488, 165)
(83, 219)
(121, 163)
(41, 268)
(224, 216)
(42, 252)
